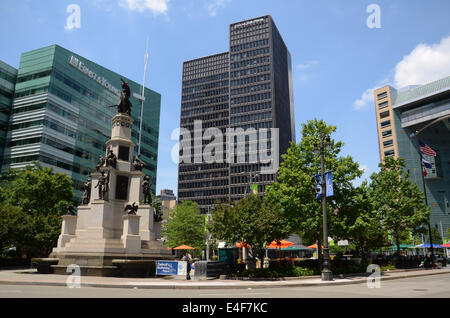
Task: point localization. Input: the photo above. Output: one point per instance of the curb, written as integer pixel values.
(223, 286)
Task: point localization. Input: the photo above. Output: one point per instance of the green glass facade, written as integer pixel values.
(8, 76)
(61, 114)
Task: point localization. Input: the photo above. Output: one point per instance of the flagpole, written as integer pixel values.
(142, 98)
(426, 202)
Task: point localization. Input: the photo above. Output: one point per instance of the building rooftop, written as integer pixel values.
(414, 94)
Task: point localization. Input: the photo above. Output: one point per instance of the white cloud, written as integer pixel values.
(303, 68)
(156, 6)
(307, 65)
(425, 64)
(366, 99)
(214, 5)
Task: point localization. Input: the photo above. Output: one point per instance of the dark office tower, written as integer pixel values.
(261, 92)
(205, 95)
(260, 96)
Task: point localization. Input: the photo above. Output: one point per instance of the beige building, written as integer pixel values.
(168, 201)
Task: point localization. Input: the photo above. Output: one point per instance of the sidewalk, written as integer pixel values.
(30, 277)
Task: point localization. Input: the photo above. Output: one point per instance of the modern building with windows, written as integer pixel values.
(249, 87)
(8, 76)
(61, 114)
(419, 114)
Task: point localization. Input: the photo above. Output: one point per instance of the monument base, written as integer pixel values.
(100, 264)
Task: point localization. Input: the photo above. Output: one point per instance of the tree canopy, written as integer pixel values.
(32, 201)
(398, 200)
(294, 187)
(251, 221)
(185, 226)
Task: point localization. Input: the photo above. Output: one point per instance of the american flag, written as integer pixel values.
(426, 149)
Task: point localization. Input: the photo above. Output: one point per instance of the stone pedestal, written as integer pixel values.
(69, 225)
(146, 232)
(130, 237)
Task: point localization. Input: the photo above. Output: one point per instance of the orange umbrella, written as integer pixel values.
(280, 244)
(314, 246)
(184, 247)
(240, 244)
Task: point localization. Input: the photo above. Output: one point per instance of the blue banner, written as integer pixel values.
(328, 183)
(167, 268)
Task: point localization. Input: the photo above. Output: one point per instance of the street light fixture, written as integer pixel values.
(325, 144)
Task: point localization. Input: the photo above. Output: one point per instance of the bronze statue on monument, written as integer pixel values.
(124, 105)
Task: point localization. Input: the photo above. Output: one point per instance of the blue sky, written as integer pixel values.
(337, 60)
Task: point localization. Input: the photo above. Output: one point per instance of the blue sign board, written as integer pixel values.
(328, 183)
(167, 268)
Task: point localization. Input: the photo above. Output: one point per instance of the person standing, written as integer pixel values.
(188, 259)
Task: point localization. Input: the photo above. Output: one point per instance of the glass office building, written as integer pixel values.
(61, 114)
(8, 76)
(249, 87)
(416, 114)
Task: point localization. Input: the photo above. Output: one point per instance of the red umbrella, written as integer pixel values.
(445, 245)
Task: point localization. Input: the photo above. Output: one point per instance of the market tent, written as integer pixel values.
(280, 244)
(402, 247)
(428, 246)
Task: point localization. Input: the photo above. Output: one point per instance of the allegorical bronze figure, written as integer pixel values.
(146, 190)
(100, 163)
(124, 105)
(138, 163)
(111, 159)
(87, 192)
(71, 210)
(103, 186)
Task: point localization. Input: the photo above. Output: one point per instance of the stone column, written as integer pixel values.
(130, 237)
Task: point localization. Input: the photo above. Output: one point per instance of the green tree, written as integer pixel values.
(398, 201)
(32, 201)
(251, 221)
(158, 214)
(361, 224)
(435, 235)
(294, 187)
(185, 226)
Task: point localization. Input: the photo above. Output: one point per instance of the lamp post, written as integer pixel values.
(415, 135)
(208, 235)
(325, 144)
